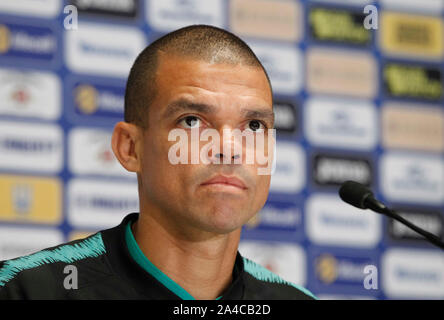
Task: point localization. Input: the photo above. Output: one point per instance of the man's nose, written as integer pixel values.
(230, 147)
(221, 156)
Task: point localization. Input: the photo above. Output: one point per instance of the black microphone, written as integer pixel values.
(361, 197)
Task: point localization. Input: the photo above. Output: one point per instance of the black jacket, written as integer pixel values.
(106, 270)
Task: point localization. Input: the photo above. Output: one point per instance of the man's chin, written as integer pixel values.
(226, 221)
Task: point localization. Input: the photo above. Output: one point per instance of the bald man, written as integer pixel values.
(195, 82)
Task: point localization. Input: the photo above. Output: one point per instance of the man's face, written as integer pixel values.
(192, 93)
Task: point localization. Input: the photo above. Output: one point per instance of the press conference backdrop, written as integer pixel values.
(351, 104)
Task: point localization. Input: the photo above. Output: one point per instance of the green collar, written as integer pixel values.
(137, 254)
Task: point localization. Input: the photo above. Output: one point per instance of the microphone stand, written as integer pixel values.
(378, 207)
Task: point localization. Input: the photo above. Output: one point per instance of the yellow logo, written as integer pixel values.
(338, 25)
(5, 39)
(86, 98)
(406, 34)
(411, 81)
(326, 268)
(30, 199)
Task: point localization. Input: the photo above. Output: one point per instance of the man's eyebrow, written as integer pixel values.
(262, 114)
(186, 105)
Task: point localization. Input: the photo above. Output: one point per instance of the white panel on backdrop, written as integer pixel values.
(38, 8)
(15, 241)
(103, 50)
(90, 153)
(412, 178)
(289, 175)
(287, 260)
(30, 93)
(344, 123)
(284, 65)
(31, 147)
(167, 15)
(100, 203)
(409, 273)
(332, 222)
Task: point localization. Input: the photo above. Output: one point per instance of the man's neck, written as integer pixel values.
(203, 268)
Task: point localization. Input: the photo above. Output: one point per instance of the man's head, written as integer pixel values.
(199, 42)
(202, 77)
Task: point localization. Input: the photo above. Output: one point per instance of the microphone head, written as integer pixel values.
(355, 194)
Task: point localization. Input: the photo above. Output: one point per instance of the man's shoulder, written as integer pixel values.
(262, 283)
(46, 267)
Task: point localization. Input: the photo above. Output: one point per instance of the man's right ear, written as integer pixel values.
(126, 141)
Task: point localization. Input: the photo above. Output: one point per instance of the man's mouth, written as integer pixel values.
(226, 180)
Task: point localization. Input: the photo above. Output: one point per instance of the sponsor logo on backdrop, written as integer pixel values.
(103, 50)
(90, 152)
(27, 42)
(338, 25)
(31, 147)
(112, 8)
(333, 170)
(413, 274)
(406, 34)
(85, 97)
(38, 8)
(429, 6)
(412, 178)
(431, 221)
(341, 272)
(24, 93)
(289, 175)
(283, 64)
(285, 117)
(100, 203)
(274, 216)
(94, 100)
(344, 123)
(341, 72)
(16, 242)
(264, 19)
(168, 15)
(26, 199)
(285, 259)
(409, 126)
(329, 221)
(412, 81)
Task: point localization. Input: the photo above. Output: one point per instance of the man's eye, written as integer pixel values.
(190, 122)
(256, 125)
